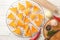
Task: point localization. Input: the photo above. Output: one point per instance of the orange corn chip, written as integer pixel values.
(28, 33)
(25, 27)
(40, 16)
(26, 20)
(19, 23)
(38, 22)
(32, 16)
(17, 31)
(33, 30)
(20, 6)
(20, 15)
(35, 9)
(11, 16)
(14, 9)
(28, 4)
(13, 24)
(27, 11)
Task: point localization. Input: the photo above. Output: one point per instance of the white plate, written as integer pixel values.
(23, 2)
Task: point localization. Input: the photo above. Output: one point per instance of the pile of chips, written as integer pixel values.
(25, 19)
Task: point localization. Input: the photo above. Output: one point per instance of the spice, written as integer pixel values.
(51, 33)
(57, 18)
(36, 36)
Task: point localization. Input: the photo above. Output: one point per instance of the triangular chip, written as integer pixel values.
(13, 24)
(20, 15)
(19, 23)
(28, 33)
(17, 31)
(28, 4)
(33, 30)
(27, 11)
(25, 27)
(11, 16)
(13, 9)
(40, 16)
(32, 16)
(20, 6)
(26, 20)
(38, 22)
(35, 9)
